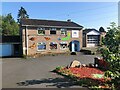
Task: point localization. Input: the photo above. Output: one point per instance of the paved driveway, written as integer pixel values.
(36, 72)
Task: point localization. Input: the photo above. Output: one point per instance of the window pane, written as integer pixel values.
(41, 32)
(52, 32)
(41, 46)
(63, 31)
(63, 46)
(53, 29)
(53, 46)
(41, 28)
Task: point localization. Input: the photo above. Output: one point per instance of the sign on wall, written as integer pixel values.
(66, 38)
(47, 38)
(75, 33)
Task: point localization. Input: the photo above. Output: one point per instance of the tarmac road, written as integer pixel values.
(36, 72)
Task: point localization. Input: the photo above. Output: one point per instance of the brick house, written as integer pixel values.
(45, 36)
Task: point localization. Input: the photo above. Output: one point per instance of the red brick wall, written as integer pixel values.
(40, 38)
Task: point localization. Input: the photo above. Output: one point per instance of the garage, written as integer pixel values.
(6, 50)
(91, 38)
(10, 46)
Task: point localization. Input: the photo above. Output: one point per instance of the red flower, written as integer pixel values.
(85, 72)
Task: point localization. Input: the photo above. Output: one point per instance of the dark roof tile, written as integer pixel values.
(49, 23)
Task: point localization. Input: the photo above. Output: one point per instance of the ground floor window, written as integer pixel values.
(53, 45)
(41, 46)
(63, 45)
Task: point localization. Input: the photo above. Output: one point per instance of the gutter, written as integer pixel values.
(54, 26)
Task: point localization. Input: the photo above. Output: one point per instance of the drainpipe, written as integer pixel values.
(26, 41)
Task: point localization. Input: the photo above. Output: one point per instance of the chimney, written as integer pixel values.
(69, 20)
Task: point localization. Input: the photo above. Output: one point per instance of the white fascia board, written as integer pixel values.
(93, 33)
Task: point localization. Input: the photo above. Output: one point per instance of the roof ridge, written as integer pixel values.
(49, 20)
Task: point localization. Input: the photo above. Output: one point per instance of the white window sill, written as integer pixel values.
(41, 50)
(41, 34)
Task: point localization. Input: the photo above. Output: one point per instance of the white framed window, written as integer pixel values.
(53, 46)
(53, 30)
(41, 46)
(41, 31)
(63, 45)
(63, 31)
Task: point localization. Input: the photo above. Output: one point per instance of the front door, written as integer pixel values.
(74, 46)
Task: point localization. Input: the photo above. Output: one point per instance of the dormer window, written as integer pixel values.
(41, 31)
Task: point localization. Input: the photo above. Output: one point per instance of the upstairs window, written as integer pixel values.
(63, 31)
(53, 45)
(41, 31)
(52, 30)
(41, 46)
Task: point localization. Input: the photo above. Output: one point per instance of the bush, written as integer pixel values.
(111, 54)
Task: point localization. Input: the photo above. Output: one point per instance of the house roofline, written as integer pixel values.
(54, 26)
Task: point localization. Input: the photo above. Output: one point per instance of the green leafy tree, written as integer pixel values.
(0, 25)
(9, 26)
(111, 53)
(22, 13)
(112, 38)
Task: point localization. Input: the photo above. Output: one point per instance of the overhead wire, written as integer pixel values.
(83, 10)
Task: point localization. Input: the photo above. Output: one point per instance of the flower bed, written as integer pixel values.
(84, 72)
(84, 75)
